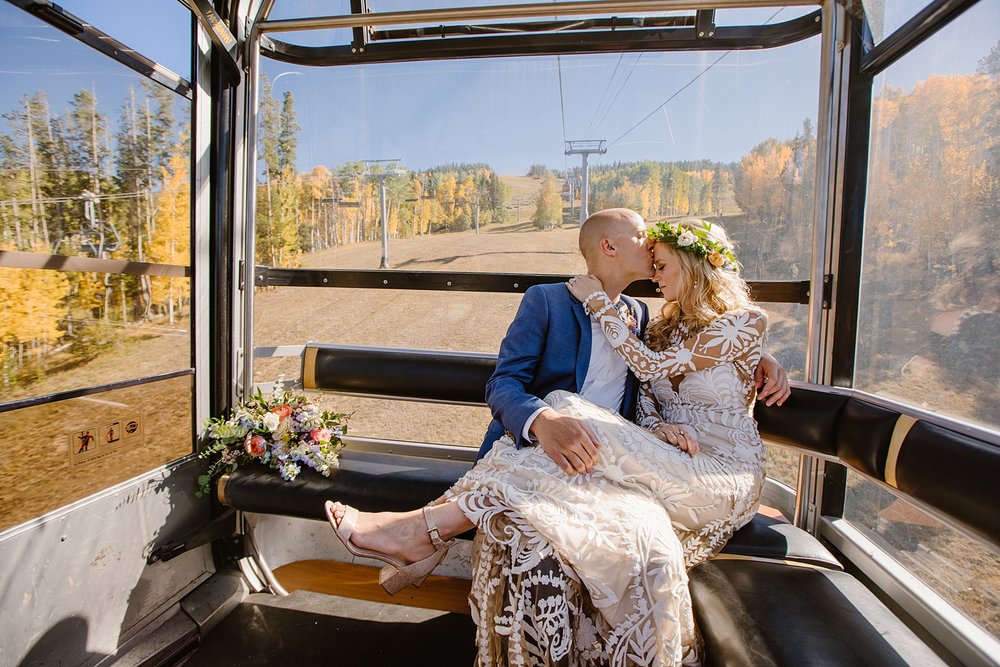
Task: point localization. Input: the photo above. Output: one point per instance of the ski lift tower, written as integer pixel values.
(585, 147)
(383, 169)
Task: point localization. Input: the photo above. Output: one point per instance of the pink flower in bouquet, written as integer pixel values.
(254, 444)
(282, 410)
(320, 434)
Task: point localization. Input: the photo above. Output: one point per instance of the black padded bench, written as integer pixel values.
(378, 482)
(759, 614)
(776, 595)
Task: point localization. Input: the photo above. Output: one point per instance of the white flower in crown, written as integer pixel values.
(686, 238)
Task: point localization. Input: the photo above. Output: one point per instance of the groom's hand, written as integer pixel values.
(771, 380)
(566, 441)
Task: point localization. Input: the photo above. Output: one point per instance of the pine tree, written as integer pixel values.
(287, 134)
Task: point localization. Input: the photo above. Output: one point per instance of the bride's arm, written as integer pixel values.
(647, 409)
(648, 417)
(734, 336)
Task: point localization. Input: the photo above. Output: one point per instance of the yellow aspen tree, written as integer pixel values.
(432, 211)
(682, 188)
(645, 201)
(371, 210)
(759, 184)
(290, 213)
(392, 227)
(417, 192)
(465, 202)
(320, 182)
(42, 297)
(171, 243)
(709, 193)
(9, 286)
(446, 197)
(548, 204)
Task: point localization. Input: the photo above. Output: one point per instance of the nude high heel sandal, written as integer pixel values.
(396, 575)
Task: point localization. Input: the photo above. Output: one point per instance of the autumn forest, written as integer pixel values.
(117, 186)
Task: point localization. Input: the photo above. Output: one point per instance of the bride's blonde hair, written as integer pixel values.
(706, 290)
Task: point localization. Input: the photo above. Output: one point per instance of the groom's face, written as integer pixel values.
(635, 250)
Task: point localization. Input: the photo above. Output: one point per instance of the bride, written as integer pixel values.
(590, 569)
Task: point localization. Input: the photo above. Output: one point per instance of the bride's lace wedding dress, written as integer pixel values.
(591, 569)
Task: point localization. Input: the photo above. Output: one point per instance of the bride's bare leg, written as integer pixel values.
(403, 535)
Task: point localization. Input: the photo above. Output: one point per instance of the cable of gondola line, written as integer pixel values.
(682, 88)
(600, 102)
(620, 89)
(562, 105)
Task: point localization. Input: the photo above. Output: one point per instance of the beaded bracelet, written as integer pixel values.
(593, 295)
(600, 313)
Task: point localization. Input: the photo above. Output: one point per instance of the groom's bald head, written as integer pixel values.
(602, 225)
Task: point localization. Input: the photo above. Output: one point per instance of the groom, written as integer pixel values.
(553, 344)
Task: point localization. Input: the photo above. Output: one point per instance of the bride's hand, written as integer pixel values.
(679, 436)
(583, 286)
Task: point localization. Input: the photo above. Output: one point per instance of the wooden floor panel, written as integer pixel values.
(360, 582)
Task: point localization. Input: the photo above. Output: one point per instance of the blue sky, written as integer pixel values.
(509, 110)
(506, 112)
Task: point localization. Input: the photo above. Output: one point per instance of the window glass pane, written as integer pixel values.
(52, 341)
(930, 299)
(286, 9)
(486, 136)
(467, 321)
(60, 452)
(723, 135)
(884, 16)
(960, 569)
(760, 15)
(296, 9)
(783, 465)
(413, 421)
(94, 163)
(157, 29)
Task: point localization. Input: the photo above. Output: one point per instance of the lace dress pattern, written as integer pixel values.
(591, 569)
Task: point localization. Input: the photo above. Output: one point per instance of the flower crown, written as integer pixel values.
(697, 242)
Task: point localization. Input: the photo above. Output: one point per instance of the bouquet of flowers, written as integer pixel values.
(283, 433)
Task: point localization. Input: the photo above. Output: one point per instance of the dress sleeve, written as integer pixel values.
(647, 409)
(735, 336)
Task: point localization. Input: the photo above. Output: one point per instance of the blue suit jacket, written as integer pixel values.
(547, 347)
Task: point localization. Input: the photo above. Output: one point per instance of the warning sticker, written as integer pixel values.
(103, 440)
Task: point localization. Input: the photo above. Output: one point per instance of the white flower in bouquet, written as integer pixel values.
(271, 422)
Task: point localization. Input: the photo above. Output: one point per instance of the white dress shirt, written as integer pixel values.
(604, 383)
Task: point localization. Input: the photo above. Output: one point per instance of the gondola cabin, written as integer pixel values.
(205, 202)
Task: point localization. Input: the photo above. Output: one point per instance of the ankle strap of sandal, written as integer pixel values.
(432, 530)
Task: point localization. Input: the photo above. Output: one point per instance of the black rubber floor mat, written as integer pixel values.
(266, 635)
